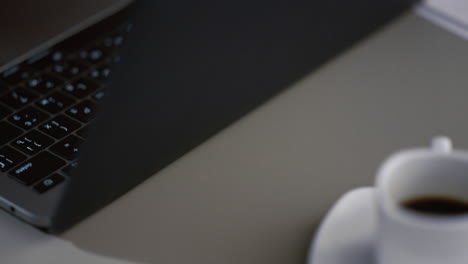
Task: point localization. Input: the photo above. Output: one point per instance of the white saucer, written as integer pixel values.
(347, 234)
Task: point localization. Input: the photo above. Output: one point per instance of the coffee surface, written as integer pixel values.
(436, 205)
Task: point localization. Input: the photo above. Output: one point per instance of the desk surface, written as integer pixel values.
(256, 192)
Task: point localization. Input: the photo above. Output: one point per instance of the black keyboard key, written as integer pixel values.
(9, 158)
(101, 73)
(28, 117)
(93, 55)
(48, 183)
(68, 170)
(8, 132)
(115, 59)
(55, 102)
(68, 148)
(108, 43)
(44, 83)
(84, 111)
(99, 95)
(57, 56)
(32, 143)
(16, 74)
(69, 69)
(18, 98)
(118, 40)
(4, 112)
(127, 28)
(38, 167)
(113, 42)
(4, 89)
(59, 126)
(81, 88)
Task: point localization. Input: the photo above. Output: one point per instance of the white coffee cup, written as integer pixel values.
(409, 237)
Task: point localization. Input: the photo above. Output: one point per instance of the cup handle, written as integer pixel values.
(441, 144)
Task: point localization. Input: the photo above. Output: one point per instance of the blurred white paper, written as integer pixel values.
(23, 244)
(449, 14)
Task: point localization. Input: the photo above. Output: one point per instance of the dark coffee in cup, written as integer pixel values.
(436, 205)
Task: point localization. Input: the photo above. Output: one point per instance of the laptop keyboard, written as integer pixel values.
(47, 103)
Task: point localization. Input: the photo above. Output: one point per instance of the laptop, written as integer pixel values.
(97, 96)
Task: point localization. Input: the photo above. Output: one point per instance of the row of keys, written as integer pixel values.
(18, 98)
(81, 88)
(31, 116)
(33, 142)
(21, 97)
(58, 127)
(92, 54)
(55, 102)
(74, 68)
(28, 118)
(16, 74)
(70, 69)
(58, 102)
(44, 83)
